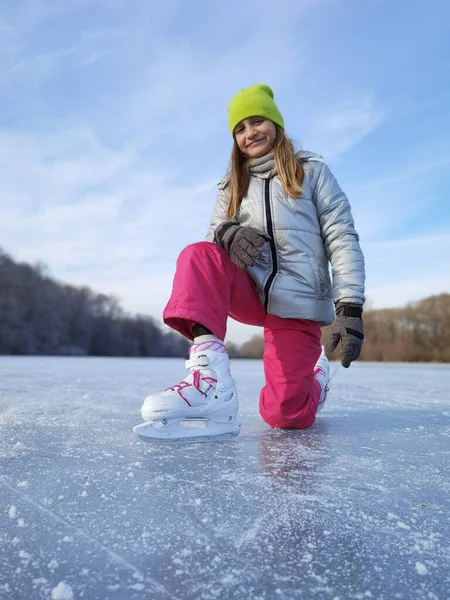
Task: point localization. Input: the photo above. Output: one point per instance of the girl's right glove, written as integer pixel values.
(240, 243)
(348, 328)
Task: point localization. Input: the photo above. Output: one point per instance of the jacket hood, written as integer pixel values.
(306, 155)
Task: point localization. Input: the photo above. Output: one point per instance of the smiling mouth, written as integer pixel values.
(255, 142)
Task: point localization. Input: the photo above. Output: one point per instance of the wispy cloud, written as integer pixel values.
(77, 191)
(383, 206)
(338, 129)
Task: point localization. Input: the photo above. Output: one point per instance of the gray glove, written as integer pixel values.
(349, 329)
(240, 243)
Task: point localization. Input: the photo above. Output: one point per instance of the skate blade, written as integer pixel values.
(185, 435)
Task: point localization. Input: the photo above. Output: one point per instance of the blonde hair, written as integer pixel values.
(290, 172)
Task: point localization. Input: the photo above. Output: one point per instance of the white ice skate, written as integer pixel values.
(201, 407)
(322, 374)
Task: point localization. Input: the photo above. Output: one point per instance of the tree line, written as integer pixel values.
(418, 332)
(38, 315)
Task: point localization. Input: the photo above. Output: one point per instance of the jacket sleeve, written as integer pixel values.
(340, 239)
(219, 213)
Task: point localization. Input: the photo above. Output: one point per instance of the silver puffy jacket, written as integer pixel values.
(306, 233)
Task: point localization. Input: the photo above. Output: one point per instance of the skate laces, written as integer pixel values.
(196, 362)
(196, 381)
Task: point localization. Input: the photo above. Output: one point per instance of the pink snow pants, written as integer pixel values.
(207, 289)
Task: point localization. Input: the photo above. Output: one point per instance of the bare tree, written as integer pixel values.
(419, 332)
(41, 316)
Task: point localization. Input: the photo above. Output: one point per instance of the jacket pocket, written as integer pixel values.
(297, 277)
(321, 277)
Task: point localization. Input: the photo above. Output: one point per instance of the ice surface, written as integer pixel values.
(355, 507)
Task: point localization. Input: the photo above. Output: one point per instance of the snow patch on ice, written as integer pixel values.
(22, 484)
(62, 591)
(231, 579)
(391, 516)
(137, 586)
(421, 568)
(20, 523)
(12, 512)
(229, 476)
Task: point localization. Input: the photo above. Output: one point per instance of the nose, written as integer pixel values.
(251, 132)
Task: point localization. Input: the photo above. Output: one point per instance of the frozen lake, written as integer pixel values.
(356, 507)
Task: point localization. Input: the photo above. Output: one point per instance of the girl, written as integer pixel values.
(279, 218)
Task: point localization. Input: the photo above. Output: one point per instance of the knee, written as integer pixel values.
(199, 250)
(295, 412)
(279, 421)
(273, 418)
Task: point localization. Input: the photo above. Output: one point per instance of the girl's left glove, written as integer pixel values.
(348, 328)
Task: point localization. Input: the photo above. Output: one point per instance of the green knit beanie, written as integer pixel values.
(254, 101)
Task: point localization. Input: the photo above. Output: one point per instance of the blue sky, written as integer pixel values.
(113, 130)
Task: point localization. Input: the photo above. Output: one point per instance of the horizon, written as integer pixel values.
(113, 132)
(257, 330)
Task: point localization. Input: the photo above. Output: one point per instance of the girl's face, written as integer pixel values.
(255, 136)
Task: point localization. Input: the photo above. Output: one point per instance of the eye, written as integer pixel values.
(239, 130)
(259, 121)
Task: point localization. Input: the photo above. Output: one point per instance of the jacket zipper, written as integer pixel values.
(271, 242)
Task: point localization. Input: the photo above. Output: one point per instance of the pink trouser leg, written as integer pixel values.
(207, 289)
(291, 394)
